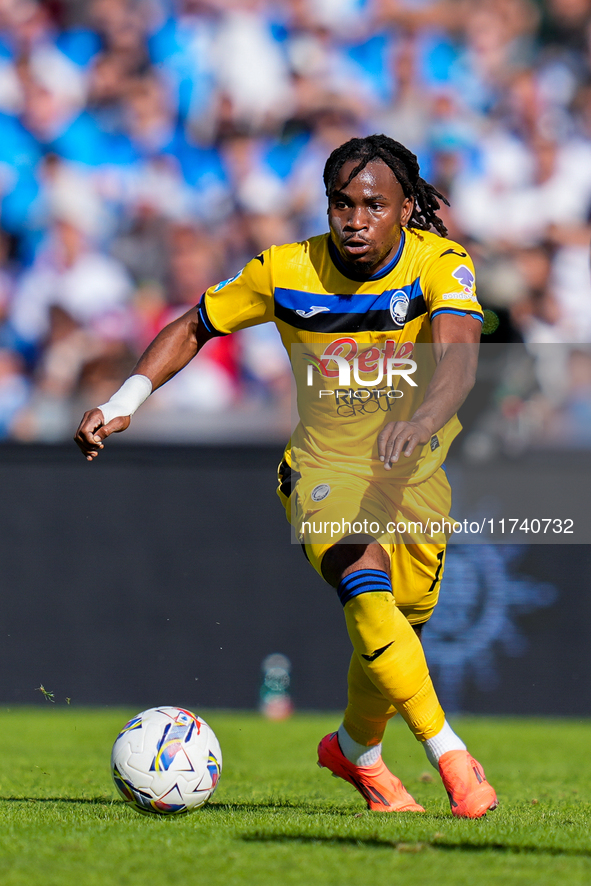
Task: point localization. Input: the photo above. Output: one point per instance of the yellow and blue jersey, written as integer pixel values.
(323, 310)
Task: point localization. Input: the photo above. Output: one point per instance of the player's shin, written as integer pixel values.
(366, 716)
(354, 753)
(392, 657)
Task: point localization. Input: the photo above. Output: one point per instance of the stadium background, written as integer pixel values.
(147, 150)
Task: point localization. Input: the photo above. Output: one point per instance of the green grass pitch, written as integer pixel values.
(278, 819)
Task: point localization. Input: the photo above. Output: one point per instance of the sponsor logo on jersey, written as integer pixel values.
(399, 306)
(315, 309)
(369, 368)
(320, 492)
(434, 442)
(371, 360)
(225, 282)
(460, 296)
(464, 276)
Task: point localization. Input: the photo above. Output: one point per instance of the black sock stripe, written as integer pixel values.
(367, 579)
(363, 575)
(366, 575)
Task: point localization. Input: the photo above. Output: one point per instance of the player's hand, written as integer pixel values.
(92, 431)
(401, 437)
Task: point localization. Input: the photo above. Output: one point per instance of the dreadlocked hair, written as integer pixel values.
(405, 167)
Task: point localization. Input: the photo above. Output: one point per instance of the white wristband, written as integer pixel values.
(128, 398)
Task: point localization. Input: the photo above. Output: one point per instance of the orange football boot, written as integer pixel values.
(470, 795)
(381, 790)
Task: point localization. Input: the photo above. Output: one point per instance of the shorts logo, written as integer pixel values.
(320, 492)
(399, 306)
(434, 443)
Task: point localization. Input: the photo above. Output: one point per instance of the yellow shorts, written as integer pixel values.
(325, 506)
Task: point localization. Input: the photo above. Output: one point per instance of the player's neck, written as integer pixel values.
(356, 272)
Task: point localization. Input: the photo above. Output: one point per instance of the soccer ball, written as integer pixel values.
(166, 761)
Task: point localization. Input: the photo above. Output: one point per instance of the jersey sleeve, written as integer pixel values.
(243, 300)
(449, 283)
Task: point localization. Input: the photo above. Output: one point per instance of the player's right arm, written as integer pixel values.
(243, 300)
(171, 350)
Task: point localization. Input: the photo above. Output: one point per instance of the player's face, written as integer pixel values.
(366, 216)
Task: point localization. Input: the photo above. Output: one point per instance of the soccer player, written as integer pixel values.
(381, 285)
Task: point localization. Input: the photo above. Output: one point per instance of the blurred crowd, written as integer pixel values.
(149, 148)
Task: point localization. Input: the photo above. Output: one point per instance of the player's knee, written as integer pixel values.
(353, 554)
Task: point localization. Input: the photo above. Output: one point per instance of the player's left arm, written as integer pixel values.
(455, 344)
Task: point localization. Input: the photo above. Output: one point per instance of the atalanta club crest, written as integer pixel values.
(320, 492)
(399, 306)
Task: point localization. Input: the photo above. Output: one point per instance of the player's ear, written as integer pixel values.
(407, 210)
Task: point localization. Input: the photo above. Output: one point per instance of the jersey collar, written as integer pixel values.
(340, 266)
